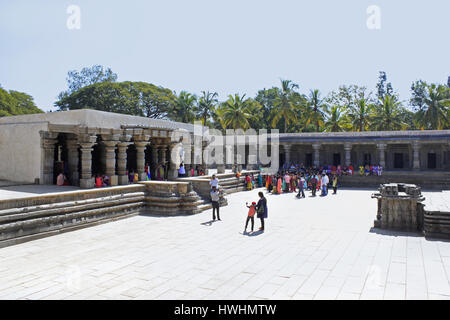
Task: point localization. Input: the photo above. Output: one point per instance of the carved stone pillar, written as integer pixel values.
(86, 144)
(140, 158)
(72, 153)
(316, 155)
(154, 159)
(416, 155)
(348, 156)
(122, 162)
(287, 154)
(110, 154)
(48, 141)
(173, 163)
(382, 149)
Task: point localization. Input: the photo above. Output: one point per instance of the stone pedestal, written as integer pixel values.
(399, 207)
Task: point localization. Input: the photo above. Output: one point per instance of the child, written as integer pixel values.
(251, 215)
(335, 181)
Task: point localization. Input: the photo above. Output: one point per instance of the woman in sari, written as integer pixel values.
(279, 184)
(248, 182)
(260, 181)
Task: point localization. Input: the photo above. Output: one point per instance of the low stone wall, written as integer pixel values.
(28, 218)
(428, 180)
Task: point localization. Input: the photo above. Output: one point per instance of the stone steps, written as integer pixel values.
(29, 218)
(436, 224)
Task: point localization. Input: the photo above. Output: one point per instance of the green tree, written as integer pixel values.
(284, 105)
(360, 114)
(388, 114)
(433, 102)
(86, 77)
(314, 111)
(206, 106)
(16, 103)
(236, 112)
(184, 108)
(335, 121)
(135, 98)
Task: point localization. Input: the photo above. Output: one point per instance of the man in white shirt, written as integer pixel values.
(324, 184)
(215, 202)
(214, 182)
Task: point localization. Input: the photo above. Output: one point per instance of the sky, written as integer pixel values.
(226, 46)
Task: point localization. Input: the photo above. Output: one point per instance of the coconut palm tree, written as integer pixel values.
(388, 114)
(235, 112)
(284, 105)
(206, 106)
(359, 115)
(184, 108)
(336, 121)
(315, 105)
(434, 113)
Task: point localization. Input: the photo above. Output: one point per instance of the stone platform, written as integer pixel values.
(312, 248)
(435, 180)
(31, 212)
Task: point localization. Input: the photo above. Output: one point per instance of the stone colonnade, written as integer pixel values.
(411, 154)
(153, 147)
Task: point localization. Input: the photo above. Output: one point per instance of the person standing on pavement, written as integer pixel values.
(261, 209)
(215, 203)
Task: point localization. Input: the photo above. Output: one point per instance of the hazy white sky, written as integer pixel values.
(228, 46)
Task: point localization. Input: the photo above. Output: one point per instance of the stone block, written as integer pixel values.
(87, 183)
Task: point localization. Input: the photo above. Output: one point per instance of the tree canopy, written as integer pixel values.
(14, 103)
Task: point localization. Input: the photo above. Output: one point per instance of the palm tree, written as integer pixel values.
(434, 114)
(206, 106)
(315, 107)
(235, 112)
(388, 114)
(284, 106)
(359, 115)
(335, 121)
(184, 107)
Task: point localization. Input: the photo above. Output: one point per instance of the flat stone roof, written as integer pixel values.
(365, 135)
(96, 119)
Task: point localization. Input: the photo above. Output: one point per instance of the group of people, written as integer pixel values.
(193, 172)
(251, 182)
(314, 181)
(255, 208)
(375, 170)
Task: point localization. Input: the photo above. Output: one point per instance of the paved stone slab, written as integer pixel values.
(313, 248)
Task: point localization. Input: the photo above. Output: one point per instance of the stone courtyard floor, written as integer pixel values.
(313, 248)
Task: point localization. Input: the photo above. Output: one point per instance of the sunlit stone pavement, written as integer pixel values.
(313, 248)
